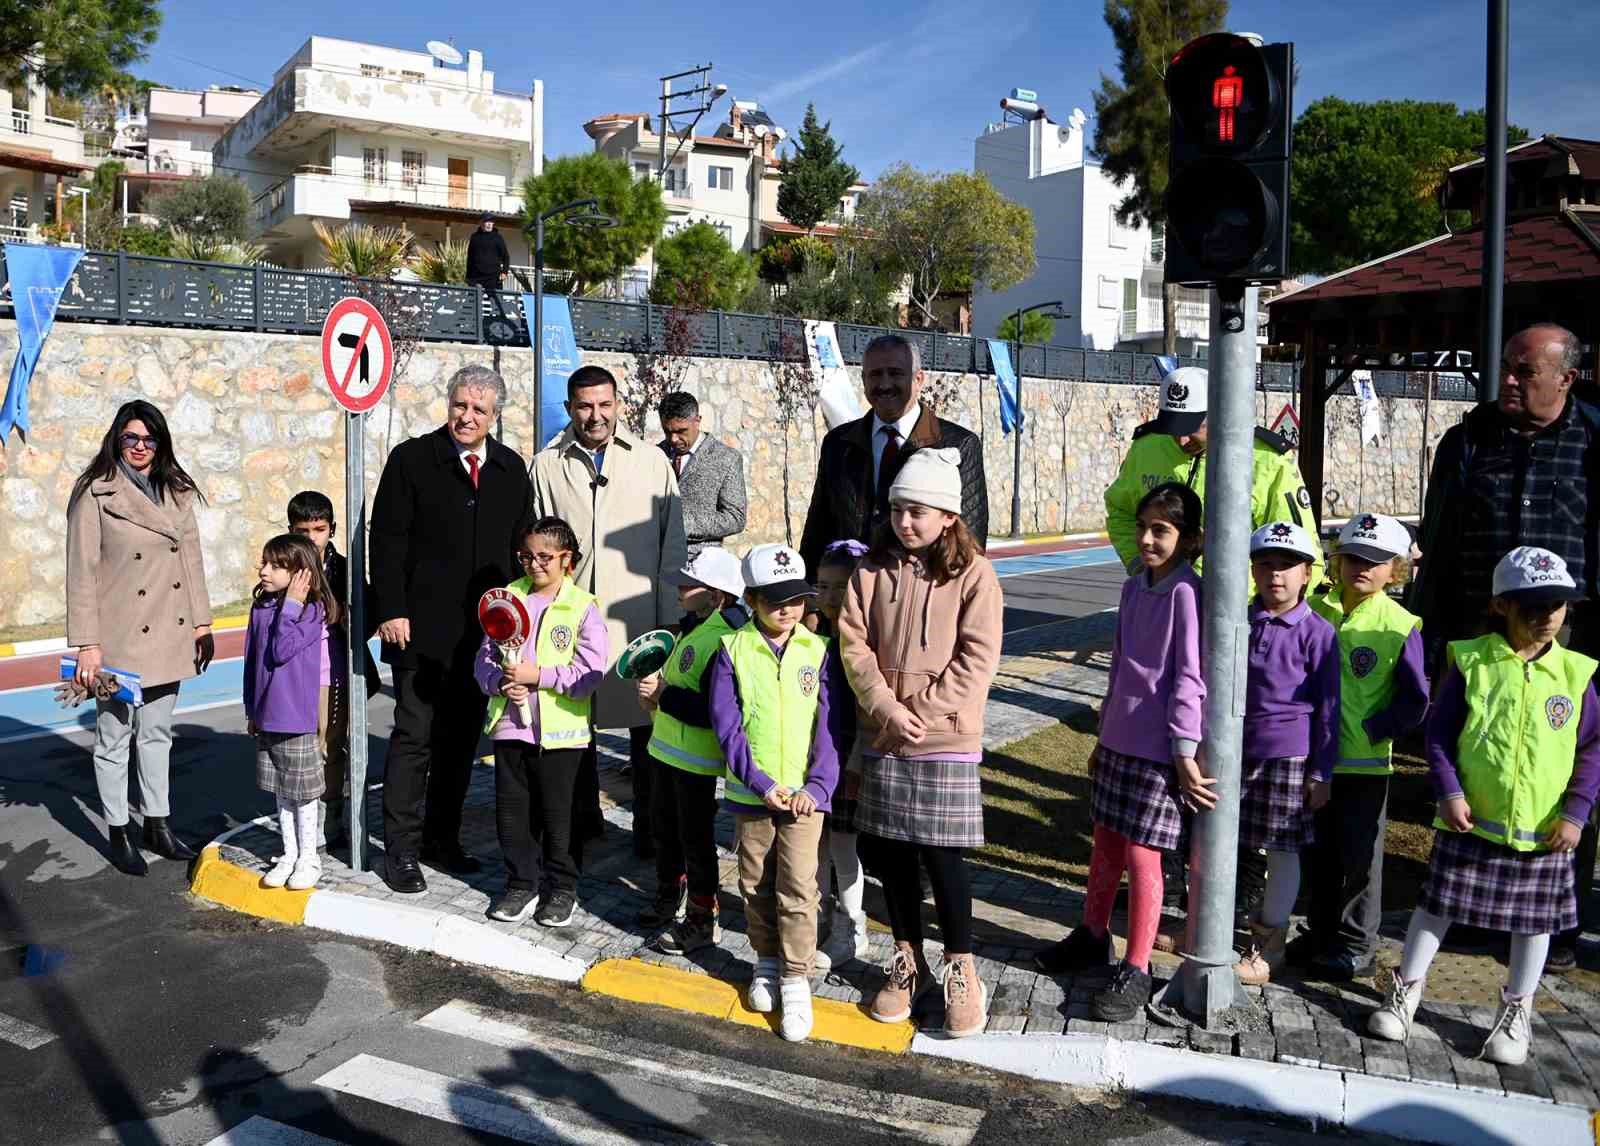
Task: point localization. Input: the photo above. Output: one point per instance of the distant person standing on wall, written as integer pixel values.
(488, 259)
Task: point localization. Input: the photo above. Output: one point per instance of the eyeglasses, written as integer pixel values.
(540, 559)
(134, 441)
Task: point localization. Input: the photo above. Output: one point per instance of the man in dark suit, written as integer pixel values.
(710, 474)
(860, 459)
(443, 529)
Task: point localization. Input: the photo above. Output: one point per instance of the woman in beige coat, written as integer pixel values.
(136, 600)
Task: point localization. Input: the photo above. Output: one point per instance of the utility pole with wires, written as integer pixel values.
(690, 104)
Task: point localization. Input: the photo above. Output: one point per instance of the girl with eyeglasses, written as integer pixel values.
(536, 760)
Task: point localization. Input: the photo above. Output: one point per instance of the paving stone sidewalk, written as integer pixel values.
(1045, 675)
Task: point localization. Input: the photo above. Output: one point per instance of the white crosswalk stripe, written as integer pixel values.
(259, 1131)
(23, 1034)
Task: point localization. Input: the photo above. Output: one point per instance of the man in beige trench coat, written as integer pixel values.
(620, 497)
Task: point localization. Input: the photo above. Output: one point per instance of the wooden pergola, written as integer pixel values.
(1421, 308)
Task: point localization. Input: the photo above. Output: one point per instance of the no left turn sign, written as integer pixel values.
(357, 354)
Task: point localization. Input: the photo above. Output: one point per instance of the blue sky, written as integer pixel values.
(911, 81)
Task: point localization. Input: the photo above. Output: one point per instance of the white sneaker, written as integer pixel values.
(840, 947)
(307, 870)
(1512, 1033)
(762, 995)
(795, 1025)
(282, 867)
(1393, 1020)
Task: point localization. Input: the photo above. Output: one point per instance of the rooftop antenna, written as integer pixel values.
(444, 52)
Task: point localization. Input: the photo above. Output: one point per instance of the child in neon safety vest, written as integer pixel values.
(770, 691)
(1144, 773)
(920, 640)
(1514, 753)
(536, 764)
(1383, 693)
(684, 800)
(1291, 730)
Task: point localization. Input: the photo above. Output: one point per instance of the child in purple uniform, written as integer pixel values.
(1291, 730)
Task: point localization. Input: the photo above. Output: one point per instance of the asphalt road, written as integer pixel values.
(131, 1012)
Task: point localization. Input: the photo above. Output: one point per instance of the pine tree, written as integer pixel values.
(814, 176)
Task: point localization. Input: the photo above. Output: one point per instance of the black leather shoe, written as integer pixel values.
(402, 873)
(451, 858)
(125, 854)
(159, 839)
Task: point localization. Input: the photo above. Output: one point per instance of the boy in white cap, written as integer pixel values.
(1504, 836)
(1291, 730)
(1383, 693)
(684, 800)
(770, 704)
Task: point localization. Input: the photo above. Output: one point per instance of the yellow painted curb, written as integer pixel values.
(834, 1022)
(8, 650)
(239, 888)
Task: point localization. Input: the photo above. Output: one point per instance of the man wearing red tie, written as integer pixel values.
(710, 474)
(442, 524)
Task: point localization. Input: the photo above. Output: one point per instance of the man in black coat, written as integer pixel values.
(443, 530)
(860, 459)
(488, 260)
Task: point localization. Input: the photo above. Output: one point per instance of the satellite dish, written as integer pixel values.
(445, 53)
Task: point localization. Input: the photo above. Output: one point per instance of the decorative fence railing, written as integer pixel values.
(115, 287)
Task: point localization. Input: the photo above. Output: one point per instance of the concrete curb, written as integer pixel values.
(414, 928)
(1416, 1111)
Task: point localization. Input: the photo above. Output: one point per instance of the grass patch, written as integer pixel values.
(49, 629)
(1036, 811)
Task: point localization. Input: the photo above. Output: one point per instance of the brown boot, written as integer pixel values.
(908, 978)
(965, 999)
(1265, 956)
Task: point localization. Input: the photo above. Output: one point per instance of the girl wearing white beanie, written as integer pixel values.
(919, 638)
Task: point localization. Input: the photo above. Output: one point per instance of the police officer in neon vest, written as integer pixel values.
(685, 795)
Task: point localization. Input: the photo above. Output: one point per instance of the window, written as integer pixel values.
(1110, 293)
(412, 165)
(641, 171)
(675, 179)
(1118, 234)
(724, 230)
(1158, 242)
(371, 70)
(375, 164)
(413, 77)
(719, 178)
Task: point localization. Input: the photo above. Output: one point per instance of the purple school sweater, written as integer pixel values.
(283, 665)
(1291, 699)
(1155, 700)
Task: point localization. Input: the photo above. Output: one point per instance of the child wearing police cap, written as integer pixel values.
(770, 706)
(1291, 730)
(1514, 756)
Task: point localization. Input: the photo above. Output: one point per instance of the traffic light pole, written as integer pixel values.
(1206, 986)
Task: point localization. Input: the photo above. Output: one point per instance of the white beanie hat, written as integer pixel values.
(931, 478)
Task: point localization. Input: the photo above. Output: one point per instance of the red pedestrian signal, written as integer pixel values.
(1228, 183)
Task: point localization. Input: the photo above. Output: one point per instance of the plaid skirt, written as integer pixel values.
(1137, 798)
(289, 765)
(1272, 805)
(1481, 884)
(933, 802)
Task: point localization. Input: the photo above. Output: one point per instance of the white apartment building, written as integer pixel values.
(353, 131)
(1107, 276)
(41, 158)
(172, 139)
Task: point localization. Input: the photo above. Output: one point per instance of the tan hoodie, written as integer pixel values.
(906, 642)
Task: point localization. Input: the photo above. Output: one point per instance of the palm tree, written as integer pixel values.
(363, 251)
(446, 264)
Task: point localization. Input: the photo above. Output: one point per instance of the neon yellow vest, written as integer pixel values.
(1518, 746)
(671, 740)
(1370, 641)
(563, 720)
(778, 699)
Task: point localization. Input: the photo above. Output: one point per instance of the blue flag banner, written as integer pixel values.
(559, 357)
(1165, 364)
(1006, 379)
(38, 276)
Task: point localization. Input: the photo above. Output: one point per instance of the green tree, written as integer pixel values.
(1037, 328)
(855, 291)
(814, 175)
(789, 255)
(946, 233)
(77, 47)
(698, 269)
(1366, 176)
(594, 256)
(1131, 116)
(217, 206)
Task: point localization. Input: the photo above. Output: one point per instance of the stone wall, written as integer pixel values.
(254, 424)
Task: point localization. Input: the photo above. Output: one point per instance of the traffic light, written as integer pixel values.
(1228, 183)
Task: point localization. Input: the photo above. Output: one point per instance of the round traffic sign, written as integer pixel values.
(357, 354)
(504, 616)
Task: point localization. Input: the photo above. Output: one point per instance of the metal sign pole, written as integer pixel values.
(355, 514)
(1206, 985)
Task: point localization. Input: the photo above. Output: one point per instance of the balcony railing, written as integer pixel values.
(683, 191)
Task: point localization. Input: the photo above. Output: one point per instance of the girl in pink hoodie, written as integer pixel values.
(1144, 772)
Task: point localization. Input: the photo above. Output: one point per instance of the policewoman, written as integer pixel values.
(682, 741)
(1172, 447)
